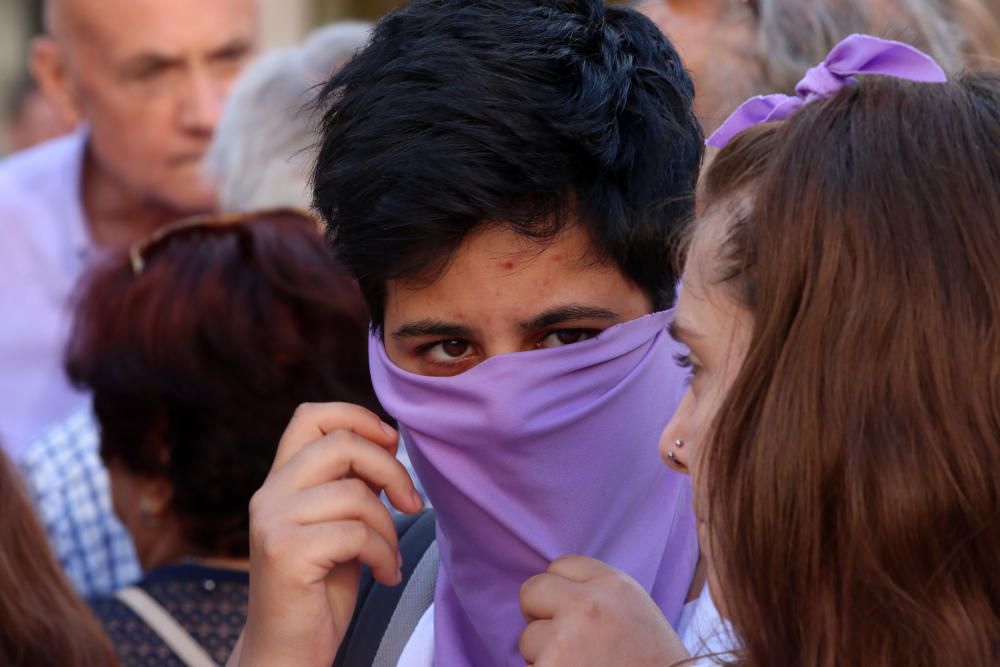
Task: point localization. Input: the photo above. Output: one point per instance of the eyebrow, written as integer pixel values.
(148, 60)
(235, 45)
(432, 328)
(566, 314)
(550, 318)
(681, 333)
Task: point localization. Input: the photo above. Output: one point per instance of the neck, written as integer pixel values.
(117, 216)
(171, 547)
(221, 563)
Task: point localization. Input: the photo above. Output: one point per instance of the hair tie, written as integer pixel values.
(858, 54)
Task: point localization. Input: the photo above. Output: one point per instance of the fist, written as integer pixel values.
(582, 613)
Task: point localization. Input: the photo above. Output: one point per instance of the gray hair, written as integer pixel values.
(790, 36)
(794, 35)
(982, 20)
(263, 148)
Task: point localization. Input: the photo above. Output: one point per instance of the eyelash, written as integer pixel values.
(424, 349)
(685, 361)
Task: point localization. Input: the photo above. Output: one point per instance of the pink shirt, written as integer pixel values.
(44, 249)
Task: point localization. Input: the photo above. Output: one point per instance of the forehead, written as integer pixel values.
(497, 269)
(127, 27)
(701, 266)
(707, 305)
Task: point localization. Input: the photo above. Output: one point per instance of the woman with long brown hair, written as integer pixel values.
(841, 305)
(43, 623)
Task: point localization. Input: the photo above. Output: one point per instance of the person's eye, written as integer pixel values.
(566, 337)
(150, 72)
(686, 361)
(235, 54)
(231, 59)
(448, 351)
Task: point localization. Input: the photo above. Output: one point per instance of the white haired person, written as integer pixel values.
(262, 153)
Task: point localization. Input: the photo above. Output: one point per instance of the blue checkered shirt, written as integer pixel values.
(70, 487)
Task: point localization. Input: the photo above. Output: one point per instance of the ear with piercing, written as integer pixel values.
(672, 457)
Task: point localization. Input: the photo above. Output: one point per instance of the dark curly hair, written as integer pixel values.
(534, 114)
(200, 345)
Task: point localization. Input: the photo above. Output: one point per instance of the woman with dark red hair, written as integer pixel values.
(198, 345)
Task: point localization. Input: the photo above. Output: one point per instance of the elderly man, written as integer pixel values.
(33, 117)
(146, 80)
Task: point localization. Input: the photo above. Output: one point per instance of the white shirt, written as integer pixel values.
(45, 249)
(419, 649)
(701, 628)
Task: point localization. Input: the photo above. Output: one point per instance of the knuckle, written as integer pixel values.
(593, 607)
(339, 438)
(305, 411)
(357, 534)
(331, 447)
(619, 584)
(274, 543)
(559, 562)
(355, 489)
(528, 586)
(257, 501)
(551, 655)
(260, 505)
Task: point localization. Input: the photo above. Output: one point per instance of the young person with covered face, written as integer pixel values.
(504, 179)
(841, 308)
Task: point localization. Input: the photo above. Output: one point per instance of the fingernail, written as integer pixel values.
(399, 577)
(399, 560)
(418, 502)
(389, 431)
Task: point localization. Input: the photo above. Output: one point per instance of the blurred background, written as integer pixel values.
(285, 22)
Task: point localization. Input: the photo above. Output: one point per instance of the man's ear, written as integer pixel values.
(157, 494)
(50, 68)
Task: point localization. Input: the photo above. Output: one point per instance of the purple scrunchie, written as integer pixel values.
(858, 54)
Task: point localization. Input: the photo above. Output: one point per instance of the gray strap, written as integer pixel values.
(163, 624)
(415, 601)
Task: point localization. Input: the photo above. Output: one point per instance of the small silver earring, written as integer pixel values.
(679, 444)
(670, 455)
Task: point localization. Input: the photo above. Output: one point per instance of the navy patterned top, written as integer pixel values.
(209, 603)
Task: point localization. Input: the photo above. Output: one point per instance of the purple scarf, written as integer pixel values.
(535, 455)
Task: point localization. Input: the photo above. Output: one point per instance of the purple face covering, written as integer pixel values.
(535, 455)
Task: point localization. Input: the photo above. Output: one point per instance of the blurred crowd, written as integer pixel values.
(225, 273)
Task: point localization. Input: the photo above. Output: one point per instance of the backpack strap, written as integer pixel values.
(417, 598)
(388, 614)
(166, 628)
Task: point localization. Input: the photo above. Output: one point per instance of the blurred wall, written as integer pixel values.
(286, 21)
(332, 10)
(16, 27)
